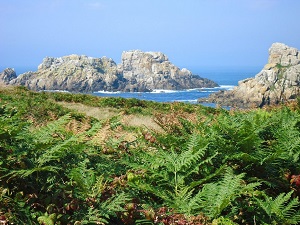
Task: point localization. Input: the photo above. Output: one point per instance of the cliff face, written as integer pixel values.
(278, 81)
(139, 71)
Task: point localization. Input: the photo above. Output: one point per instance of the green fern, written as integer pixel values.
(85, 182)
(282, 210)
(239, 132)
(170, 175)
(29, 172)
(101, 213)
(214, 198)
(287, 135)
(49, 149)
(52, 132)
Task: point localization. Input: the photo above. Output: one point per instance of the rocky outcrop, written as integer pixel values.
(73, 73)
(139, 71)
(7, 75)
(278, 81)
(153, 70)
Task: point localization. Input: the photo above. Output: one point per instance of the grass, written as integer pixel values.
(142, 121)
(100, 113)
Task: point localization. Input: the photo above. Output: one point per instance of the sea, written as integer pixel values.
(226, 77)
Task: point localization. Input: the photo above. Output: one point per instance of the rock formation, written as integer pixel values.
(153, 70)
(73, 73)
(7, 75)
(278, 81)
(139, 71)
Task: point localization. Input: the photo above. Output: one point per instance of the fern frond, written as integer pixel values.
(186, 159)
(286, 134)
(290, 210)
(170, 175)
(57, 152)
(114, 204)
(94, 129)
(183, 201)
(44, 135)
(84, 180)
(207, 178)
(215, 197)
(29, 172)
(282, 209)
(279, 202)
(104, 210)
(75, 143)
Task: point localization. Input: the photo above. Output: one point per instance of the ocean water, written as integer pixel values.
(187, 96)
(227, 78)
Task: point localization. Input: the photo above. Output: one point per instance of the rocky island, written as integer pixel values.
(278, 81)
(138, 71)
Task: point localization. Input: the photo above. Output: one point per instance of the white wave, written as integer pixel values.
(228, 87)
(64, 91)
(225, 86)
(187, 100)
(108, 92)
(209, 91)
(166, 91)
(154, 91)
(194, 89)
(163, 91)
(158, 91)
(208, 88)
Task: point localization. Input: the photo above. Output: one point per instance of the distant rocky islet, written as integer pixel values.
(138, 72)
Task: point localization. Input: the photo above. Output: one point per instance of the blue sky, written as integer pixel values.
(192, 33)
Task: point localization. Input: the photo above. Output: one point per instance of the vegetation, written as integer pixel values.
(203, 166)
